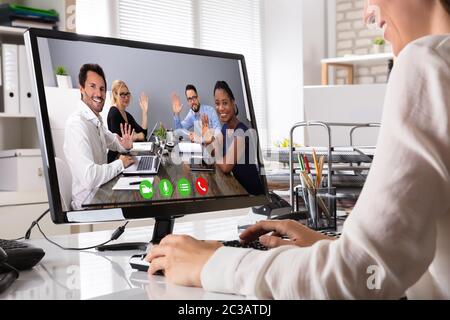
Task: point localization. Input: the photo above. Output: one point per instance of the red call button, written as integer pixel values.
(202, 186)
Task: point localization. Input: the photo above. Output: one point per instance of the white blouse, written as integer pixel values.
(86, 144)
(397, 239)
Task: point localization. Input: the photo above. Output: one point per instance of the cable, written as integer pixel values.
(116, 234)
(35, 222)
(28, 233)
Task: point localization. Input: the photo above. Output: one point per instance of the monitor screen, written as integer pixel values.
(191, 145)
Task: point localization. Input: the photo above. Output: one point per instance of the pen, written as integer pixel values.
(316, 166)
(319, 172)
(305, 200)
(311, 196)
(309, 183)
(135, 183)
(300, 162)
(307, 168)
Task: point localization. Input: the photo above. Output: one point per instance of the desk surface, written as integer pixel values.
(219, 184)
(72, 275)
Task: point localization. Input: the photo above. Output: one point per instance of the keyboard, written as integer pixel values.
(238, 244)
(146, 163)
(331, 233)
(259, 246)
(21, 256)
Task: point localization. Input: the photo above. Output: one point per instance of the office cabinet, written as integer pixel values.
(19, 204)
(22, 170)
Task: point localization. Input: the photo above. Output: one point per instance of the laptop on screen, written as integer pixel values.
(143, 165)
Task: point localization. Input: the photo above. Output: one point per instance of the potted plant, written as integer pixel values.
(161, 132)
(378, 45)
(285, 144)
(63, 79)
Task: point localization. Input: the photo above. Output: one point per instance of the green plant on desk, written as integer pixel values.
(285, 144)
(161, 132)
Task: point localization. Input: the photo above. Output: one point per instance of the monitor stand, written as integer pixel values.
(163, 227)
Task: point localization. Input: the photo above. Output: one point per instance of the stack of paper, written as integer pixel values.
(188, 147)
(142, 146)
(130, 183)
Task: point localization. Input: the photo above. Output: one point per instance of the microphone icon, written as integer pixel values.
(165, 188)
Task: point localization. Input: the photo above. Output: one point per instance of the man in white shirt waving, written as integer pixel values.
(87, 140)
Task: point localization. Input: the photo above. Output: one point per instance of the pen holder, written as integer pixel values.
(321, 206)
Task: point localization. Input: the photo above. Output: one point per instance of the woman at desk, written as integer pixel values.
(240, 161)
(117, 115)
(397, 239)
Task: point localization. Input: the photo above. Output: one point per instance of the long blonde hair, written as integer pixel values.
(116, 86)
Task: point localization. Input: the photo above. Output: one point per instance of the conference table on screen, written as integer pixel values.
(219, 185)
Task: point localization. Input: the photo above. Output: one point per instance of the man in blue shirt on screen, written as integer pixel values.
(198, 112)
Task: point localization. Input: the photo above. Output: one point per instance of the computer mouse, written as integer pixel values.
(139, 263)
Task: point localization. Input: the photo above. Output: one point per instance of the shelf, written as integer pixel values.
(12, 115)
(12, 30)
(14, 198)
(359, 59)
(348, 63)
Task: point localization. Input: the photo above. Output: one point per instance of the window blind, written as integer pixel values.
(235, 26)
(222, 25)
(158, 21)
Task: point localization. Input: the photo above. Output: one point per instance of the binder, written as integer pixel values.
(2, 108)
(25, 98)
(10, 78)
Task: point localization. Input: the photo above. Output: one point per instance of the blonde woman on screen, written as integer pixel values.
(117, 115)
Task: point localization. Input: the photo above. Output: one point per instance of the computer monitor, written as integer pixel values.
(74, 157)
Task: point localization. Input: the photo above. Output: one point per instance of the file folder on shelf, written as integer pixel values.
(10, 70)
(25, 98)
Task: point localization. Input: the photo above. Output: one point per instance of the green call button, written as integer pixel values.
(184, 187)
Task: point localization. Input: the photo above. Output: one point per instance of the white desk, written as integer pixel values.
(68, 275)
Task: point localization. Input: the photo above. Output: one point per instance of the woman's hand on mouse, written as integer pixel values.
(181, 258)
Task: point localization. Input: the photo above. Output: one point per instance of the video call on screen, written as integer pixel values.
(188, 168)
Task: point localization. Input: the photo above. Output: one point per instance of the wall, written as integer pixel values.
(314, 40)
(353, 37)
(347, 104)
(158, 73)
(319, 40)
(283, 59)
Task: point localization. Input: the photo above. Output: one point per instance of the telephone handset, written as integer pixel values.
(10, 276)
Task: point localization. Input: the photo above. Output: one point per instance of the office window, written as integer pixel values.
(230, 26)
(159, 21)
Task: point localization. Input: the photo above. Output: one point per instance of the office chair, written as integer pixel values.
(64, 183)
